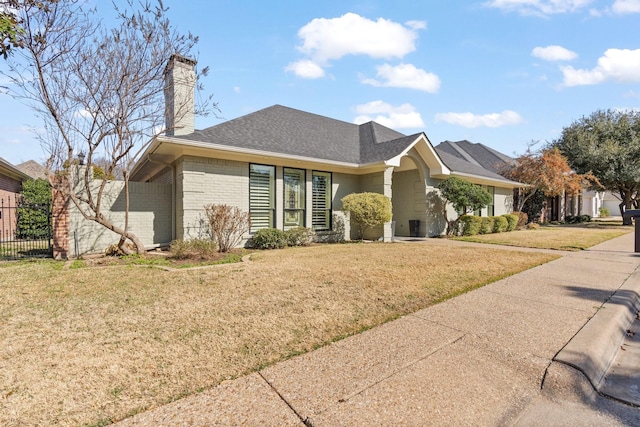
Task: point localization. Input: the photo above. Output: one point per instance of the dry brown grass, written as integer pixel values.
(558, 237)
(88, 346)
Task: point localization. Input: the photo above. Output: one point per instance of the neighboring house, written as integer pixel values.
(478, 154)
(291, 168)
(11, 179)
(33, 169)
(588, 202)
(611, 201)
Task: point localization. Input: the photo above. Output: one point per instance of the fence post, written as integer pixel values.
(60, 220)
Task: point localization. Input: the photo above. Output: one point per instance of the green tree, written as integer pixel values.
(464, 196)
(34, 209)
(11, 30)
(368, 209)
(607, 143)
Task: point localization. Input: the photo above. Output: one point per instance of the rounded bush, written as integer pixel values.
(269, 238)
(470, 225)
(486, 227)
(500, 224)
(299, 236)
(512, 221)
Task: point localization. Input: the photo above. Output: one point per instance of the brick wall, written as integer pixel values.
(9, 191)
(149, 217)
(9, 185)
(205, 181)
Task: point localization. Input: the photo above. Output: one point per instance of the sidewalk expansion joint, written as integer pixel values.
(424, 319)
(305, 420)
(400, 369)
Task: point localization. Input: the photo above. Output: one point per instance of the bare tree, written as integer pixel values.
(99, 90)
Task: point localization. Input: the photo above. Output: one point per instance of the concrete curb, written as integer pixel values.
(592, 350)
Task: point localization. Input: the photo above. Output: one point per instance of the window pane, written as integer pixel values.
(294, 199)
(261, 196)
(321, 201)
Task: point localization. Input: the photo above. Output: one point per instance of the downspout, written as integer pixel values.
(173, 193)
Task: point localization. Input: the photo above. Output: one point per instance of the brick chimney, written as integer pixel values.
(179, 94)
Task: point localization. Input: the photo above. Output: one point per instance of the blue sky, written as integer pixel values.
(500, 72)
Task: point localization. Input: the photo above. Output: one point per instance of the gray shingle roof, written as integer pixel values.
(477, 153)
(285, 130)
(458, 164)
(33, 169)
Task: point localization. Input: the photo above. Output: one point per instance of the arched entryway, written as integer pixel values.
(415, 198)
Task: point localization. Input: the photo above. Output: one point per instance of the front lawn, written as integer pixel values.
(574, 237)
(92, 345)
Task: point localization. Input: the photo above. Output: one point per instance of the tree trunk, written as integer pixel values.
(625, 204)
(125, 234)
(134, 239)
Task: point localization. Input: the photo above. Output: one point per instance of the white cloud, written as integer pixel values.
(404, 76)
(328, 39)
(626, 6)
(554, 53)
(305, 68)
(236, 89)
(538, 7)
(394, 117)
(620, 65)
(416, 25)
(470, 120)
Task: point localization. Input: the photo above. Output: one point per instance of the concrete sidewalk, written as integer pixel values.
(526, 350)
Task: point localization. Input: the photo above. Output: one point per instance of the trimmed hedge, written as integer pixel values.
(273, 238)
(299, 236)
(269, 238)
(470, 225)
(500, 224)
(512, 221)
(486, 227)
(569, 219)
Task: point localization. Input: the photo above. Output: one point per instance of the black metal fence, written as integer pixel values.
(25, 229)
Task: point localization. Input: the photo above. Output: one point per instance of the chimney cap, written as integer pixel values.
(176, 57)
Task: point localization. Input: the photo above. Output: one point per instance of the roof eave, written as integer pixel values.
(479, 179)
(13, 172)
(252, 155)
